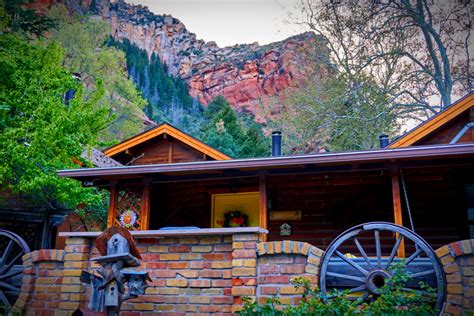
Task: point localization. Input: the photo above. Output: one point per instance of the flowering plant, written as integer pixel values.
(128, 219)
(234, 219)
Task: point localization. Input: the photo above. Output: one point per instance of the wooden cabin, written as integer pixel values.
(422, 180)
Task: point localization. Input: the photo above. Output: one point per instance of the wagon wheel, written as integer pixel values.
(12, 248)
(366, 275)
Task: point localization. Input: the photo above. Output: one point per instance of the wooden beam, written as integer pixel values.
(170, 151)
(263, 206)
(112, 205)
(145, 220)
(397, 207)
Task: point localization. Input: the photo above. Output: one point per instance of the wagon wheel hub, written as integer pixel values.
(375, 280)
(360, 260)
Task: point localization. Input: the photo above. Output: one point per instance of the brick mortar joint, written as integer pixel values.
(46, 255)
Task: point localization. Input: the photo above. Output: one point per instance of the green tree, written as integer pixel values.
(337, 114)
(84, 41)
(40, 133)
(16, 17)
(168, 97)
(236, 136)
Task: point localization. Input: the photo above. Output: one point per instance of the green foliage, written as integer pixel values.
(337, 114)
(168, 100)
(393, 300)
(237, 137)
(84, 40)
(168, 97)
(40, 133)
(15, 17)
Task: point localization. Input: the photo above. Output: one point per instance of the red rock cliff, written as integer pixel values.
(247, 75)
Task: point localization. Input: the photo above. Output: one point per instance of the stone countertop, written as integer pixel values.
(176, 232)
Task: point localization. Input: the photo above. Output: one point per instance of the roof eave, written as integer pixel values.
(388, 154)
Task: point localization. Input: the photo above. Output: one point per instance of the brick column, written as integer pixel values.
(76, 259)
(40, 289)
(244, 268)
(27, 285)
(457, 259)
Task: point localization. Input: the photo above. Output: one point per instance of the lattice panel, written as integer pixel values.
(129, 199)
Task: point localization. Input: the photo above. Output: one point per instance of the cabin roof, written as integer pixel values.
(434, 123)
(282, 162)
(172, 131)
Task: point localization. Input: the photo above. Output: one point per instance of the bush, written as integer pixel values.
(393, 300)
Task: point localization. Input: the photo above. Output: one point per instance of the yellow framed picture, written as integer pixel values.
(241, 209)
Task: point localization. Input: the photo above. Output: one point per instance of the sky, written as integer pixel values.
(230, 22)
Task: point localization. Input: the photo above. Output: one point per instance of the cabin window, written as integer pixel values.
(235, 210)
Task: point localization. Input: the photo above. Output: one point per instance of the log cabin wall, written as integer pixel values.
(329, 203)
(448, 131)
(159, 150)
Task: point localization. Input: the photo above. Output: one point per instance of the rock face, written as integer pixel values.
(247, 75)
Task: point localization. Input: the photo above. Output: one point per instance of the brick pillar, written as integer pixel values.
(76, 259)
(244, 268)
(27, 285)
(457, 259)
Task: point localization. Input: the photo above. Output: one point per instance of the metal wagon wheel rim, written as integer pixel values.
(369, 279)
(15, 248)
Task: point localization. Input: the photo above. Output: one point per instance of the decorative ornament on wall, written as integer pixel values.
(285, 229)
(128, 219)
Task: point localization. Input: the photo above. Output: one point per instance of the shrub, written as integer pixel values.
(393, 300)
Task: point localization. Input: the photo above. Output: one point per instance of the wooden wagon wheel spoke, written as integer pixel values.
(421, 292)
(362, 252)
(337, 270)
(9, 287)
(345, 276)
(378, 248)
(358, 289)
(10, 275)
(6, 253)
(4, 300)
(413, 256)
(420, 274)
(11, 268)
(352, 263)
(394, 251)
(11, 263)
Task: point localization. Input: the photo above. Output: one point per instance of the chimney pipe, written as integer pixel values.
(383, 141)
(276, 143)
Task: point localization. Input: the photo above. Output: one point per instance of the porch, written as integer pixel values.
(318, 196)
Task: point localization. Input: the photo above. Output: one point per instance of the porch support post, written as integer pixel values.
(397, 207)
(145, 220)
(263, 206)
(112, 205)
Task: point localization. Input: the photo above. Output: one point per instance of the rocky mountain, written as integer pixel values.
(247, 75)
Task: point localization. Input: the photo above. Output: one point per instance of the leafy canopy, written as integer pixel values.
(237, 137)
(84, 41)
(39, 133)
(336, 114)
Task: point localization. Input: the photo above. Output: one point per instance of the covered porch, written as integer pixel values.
(318, 196)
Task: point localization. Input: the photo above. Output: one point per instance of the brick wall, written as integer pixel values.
(40, 292)
(207, 274)
(281, 261)
(458, 263)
